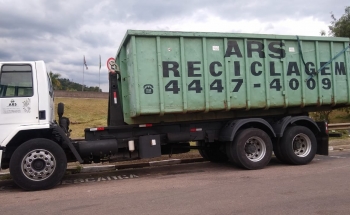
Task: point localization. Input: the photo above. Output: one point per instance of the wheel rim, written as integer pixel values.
(255, 149)
(301, 145)
(38, 165)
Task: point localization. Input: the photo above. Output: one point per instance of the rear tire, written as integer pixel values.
(231, 158)
(38, 164)
(298, 145)
(251, 149)
(278, 153)
(213, 153)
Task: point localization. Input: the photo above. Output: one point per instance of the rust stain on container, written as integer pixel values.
(225, 104)
(318, 102)
(332, 100)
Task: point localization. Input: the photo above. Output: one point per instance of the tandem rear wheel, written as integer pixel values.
(298, 146)
(250, 149)
(38, 164)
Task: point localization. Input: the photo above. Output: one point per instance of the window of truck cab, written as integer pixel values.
(16, 80)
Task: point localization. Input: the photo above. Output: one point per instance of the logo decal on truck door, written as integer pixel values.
(14, 106)
(10, 107)
(26, 105)
(12, 103)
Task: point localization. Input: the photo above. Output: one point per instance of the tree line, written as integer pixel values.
(67, 85)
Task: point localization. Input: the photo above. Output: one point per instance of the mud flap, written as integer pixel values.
(322, 139)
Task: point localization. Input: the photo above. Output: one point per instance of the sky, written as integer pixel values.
(62, 32)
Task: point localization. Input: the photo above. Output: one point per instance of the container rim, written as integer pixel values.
(151, 33)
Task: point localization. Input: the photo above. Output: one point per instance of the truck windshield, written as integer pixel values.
(16, 81)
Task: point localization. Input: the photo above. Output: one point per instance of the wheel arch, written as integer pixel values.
(305, 121)
(54, 133)
(19, 138)
(232, 127)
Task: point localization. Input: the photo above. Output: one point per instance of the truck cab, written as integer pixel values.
(26, 101)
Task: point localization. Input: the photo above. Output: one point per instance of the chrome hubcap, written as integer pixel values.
(301, 145)
(38, 164)
(255, 149)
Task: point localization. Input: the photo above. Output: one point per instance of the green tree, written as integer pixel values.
(321, 116)
(341, 27)
(56, 84)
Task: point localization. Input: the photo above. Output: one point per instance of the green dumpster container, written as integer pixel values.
(182, 76)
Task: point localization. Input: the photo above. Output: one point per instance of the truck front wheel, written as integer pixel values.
(251, 149)
(298, 145)
(38, 164)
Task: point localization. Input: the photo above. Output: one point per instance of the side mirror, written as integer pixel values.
(60, 109)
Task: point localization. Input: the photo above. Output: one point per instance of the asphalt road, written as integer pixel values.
(322, 187)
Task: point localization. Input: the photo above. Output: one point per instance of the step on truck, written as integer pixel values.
(239, 97)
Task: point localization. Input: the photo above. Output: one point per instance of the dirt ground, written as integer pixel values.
(339, 141)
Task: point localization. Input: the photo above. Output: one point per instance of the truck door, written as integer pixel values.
(18, 97)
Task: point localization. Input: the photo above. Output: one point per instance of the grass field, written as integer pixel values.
(86, 113)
